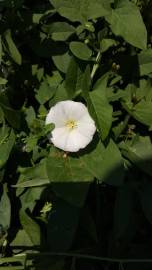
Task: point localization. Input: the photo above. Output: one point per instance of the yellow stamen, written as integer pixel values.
(71, 124)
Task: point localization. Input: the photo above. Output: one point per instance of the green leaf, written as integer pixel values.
(30, 197)
(81, 10)
(86, 83)
(54, 80)
(20, 238)
(33, 176)
(60, 95)
(31, 142)
(5, 210)
(113, 95)
(80, 50)
(101, 109)
(30, 115)
(33, 183)
(1, 116)
(62, 225)
(31, 227)
(112, 166)
(14, 52)
(73, 79)
(106, 43)
(12, 116)
(126, 21)
(44, 93)
(97, 9)
(38, 72)
(142, 93)
(62, 61)
(139, 151)
(59, 31)
(145, 62)
(93, 158)
(74, 169)
(141, 109)
(142, 112)
(7, 140)
(71, 175)
(3, 81)
(37, 17)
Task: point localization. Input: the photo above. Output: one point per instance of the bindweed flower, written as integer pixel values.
(74, 127)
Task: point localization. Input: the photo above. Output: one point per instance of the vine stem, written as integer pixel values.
(96, 65)
(27, 256)
(85, 256)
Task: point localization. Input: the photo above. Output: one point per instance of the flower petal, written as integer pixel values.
(65, 138)
(70, 141)
(60, 137)
(74, 110)
(86, 126)
(86, 130)
(77, 141)
(56, 116)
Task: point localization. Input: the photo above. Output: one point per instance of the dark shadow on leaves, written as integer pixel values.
(114, 219)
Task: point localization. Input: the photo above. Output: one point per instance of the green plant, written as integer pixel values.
(95, 203)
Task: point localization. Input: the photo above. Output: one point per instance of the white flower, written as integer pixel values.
(74, 128)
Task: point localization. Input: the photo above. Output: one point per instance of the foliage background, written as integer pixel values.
(95, 204)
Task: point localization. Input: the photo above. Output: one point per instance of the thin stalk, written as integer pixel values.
(64, 254)
(90, 257)
(124, 125)
(96, 65)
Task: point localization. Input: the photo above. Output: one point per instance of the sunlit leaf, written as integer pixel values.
(126, 21)
(139, 151)
(59, 30)
(81, 10)
(80, 50)
(30, 227)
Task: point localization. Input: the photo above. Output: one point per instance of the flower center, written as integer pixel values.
(71, 124)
